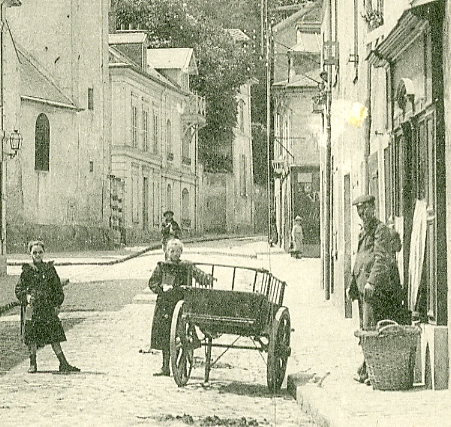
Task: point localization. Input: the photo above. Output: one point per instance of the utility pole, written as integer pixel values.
(268, 31)
(328, 159)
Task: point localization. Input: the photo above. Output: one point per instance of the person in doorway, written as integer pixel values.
(40, 293)
(166, 281)
(297, 238)
(374, 282)
(169, 229)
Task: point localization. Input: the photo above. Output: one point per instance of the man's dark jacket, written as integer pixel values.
(376, 264)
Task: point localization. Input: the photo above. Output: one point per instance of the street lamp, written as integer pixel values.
(15, 141)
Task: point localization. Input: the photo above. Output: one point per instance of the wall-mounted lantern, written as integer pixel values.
(15, 141)
(319, 103)
(330, 53)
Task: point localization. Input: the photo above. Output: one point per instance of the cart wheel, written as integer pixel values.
(182, 349)
(278, 349)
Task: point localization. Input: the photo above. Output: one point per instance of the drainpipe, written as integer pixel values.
(367, 135)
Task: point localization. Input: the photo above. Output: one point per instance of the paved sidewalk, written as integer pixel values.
(324, 343)
(114, 256)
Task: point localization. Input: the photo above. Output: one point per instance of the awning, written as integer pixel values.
(416, 3)
(410, 25)
(408, 28)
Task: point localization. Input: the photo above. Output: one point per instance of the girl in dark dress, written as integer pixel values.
(166, 281)
(40, 293)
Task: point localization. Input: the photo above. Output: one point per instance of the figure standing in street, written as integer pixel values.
(169, 229)
(40, 293)
(297, 238)
(273, 234)
(166, 282)
(375, 280)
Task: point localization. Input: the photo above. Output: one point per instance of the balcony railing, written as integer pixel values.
(196, 105)
(195, 112)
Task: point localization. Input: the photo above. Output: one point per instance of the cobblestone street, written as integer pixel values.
(116, 386)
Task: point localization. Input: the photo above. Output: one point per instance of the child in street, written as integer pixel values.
(166, 282)
(297, 238)
(40, 293)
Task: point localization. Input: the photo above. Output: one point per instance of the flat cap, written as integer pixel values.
(365, 198)
(168, 213)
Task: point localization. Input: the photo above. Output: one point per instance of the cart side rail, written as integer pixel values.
(263, 282)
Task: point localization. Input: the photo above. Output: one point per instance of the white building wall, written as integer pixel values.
(72, 48)
(133, 163)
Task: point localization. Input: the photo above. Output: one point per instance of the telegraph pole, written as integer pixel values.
(328, 160)
(268, 113)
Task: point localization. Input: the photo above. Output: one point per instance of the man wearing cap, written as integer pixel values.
(373, 283)
(169, 229)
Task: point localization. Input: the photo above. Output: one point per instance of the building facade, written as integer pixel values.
(154, 137)
(297, 128)
(387, 77)
(56, 187)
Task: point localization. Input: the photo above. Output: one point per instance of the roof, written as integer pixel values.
(237, 34)
(36, 85)
(306, 10)
(127, 37)
(118, 60)
(172, 58)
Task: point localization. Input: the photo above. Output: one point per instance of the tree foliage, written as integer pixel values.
(223, 65)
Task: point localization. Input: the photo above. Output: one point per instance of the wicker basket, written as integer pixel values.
(390, 354)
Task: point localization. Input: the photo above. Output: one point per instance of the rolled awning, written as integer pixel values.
(416, 3)
(408, 27)
(412, 23)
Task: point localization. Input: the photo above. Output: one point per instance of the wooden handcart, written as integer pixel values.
(224, 299)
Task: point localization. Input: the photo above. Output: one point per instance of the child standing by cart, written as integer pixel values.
(166, 282)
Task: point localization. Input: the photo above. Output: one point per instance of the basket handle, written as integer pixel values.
(385, 322)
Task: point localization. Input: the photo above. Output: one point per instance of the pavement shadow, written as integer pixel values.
(237, 388)
(253, 390)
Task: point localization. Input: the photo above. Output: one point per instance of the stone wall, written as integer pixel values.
(59, 238)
